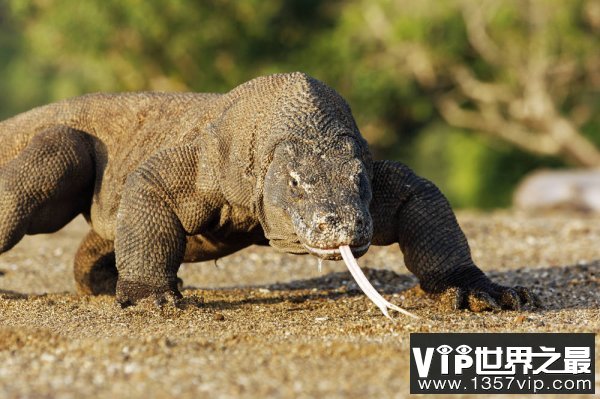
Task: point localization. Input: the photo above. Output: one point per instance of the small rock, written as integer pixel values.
(219, 317)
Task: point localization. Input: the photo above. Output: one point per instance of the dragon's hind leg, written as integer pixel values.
(95, 269)
(46, 185)
(411, 211)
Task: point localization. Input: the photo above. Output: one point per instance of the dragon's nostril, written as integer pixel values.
(326, 222)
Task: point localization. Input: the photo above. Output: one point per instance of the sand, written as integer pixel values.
(264, 324)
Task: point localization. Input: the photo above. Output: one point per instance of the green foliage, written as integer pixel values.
(472, 169)
(366, 49)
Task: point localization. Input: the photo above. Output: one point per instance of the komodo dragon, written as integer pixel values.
(166, 178)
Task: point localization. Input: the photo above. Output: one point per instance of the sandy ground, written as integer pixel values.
(264, 324)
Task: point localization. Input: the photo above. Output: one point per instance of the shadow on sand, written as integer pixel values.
(559, 287)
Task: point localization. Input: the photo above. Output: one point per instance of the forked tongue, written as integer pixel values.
(366, 286)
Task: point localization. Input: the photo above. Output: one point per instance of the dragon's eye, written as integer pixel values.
(295, 190)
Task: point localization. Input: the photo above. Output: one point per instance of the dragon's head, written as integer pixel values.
(316, 198)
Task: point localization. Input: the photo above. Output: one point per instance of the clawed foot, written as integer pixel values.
(102, 281)
(130, 293)
(492, 297)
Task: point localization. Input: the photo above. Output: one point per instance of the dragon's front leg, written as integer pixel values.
(168, 198)
(412, 211)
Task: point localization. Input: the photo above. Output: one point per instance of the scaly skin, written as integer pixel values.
(166, 178)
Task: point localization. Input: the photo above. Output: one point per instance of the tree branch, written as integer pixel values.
(492, 123)
(477, 33)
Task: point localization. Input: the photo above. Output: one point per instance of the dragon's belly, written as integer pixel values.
(203, 247)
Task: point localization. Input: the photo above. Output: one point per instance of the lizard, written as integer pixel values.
(165, 178)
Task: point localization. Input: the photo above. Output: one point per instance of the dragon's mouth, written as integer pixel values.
(334, 253)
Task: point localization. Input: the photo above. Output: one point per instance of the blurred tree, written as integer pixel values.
(538, 95)
(71, 47)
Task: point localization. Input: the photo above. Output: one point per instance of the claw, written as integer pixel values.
(511, 299)
(528, 297)
(167, 298)
(480, 300)
(453, 298)
(366, 286)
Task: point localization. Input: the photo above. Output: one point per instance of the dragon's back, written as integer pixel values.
(116, 121)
